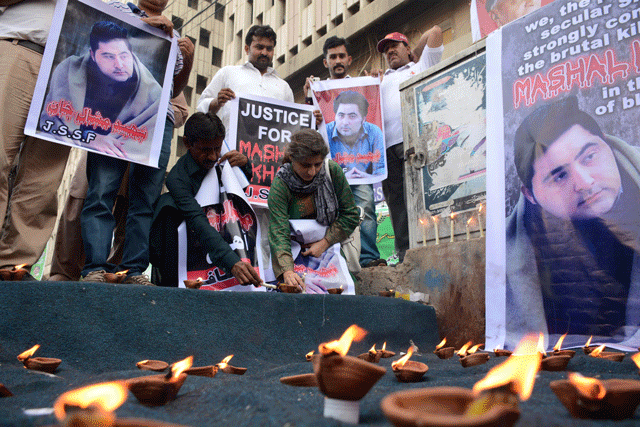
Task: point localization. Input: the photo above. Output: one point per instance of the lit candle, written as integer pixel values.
(435, 228)
(468, 223)
(452, 218)
(480, 220)
(424, 232)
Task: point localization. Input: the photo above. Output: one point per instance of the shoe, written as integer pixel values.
(96, 276)
(376, 263)
(138, 279)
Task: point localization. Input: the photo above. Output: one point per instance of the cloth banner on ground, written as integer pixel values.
(563, 176)
(85, 99)
(353, 126)
(328, 271)
(260, 128)
(229, 212)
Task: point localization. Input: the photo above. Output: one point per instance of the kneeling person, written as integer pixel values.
(203, 138)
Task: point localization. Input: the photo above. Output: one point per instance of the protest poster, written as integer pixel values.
(260, 128)
(229, 212)
(104, 83)
(487, 15)
(353, 126)
(563, 175)
(451, 118)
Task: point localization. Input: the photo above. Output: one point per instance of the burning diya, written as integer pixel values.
(93, 406)
(228, 369)
(408, 371)
(493, 400)
(116, 277)
(552, 362)
(13, 274)
(636, 360)
(586, 348)
(386, 353)
(288, 289)
(202, 371)
(152, 365)
(372, 355)
(443, 352)
(193, 284)
(157, 390)
(557, 349)
(43, 364)
(499, 352)
(335, 291)
(471, 357)
(607, 355)
(390, 293)
(584, 397)
(344, 380)
(304, 380)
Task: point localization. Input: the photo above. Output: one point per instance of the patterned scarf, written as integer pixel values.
(325, 195)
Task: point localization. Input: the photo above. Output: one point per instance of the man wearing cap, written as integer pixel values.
(504, 11)
(403, 63)
(578, 219)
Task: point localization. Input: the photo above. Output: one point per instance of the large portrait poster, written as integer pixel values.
(487, 15)
(260, 128)
(353, 126)
(563, 183)
(104, 82)
(451, 115)
(223, 199)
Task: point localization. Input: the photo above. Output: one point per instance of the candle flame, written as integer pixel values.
(421, 221)
(181, 366)
(103, 396)
(28, 353)
(308, 355)
(122, 273)
(399, 364)
(373, 349)
(558, 345)
(225, 361)
(18, 267)
(453, 215)
(588, 343)
(474, 348)
(480, 207)
(636, 359)
(587, 387)
(384, 346)
(341, 346)
(596, 352)
(518, 371)
(435, 218)
(541, 344)
(463, 350)
(199, 279)
(442, 343)
(469, 220)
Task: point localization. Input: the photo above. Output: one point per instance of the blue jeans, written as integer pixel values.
(363, 194)
(97, 222)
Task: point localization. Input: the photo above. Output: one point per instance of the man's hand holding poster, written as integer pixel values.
(260, 128)
(104, 83)
(353, 126)
(563, 181)
(229, 212)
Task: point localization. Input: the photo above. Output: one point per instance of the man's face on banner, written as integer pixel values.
(349, 121)
(337, 61)
(577, 177)
(260, 52)
(506, 11)
(206, 152)
(114, 59)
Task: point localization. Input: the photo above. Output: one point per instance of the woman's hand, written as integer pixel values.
(316, 249)
(291, 278)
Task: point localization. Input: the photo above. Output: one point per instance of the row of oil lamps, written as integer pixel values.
(345, 380)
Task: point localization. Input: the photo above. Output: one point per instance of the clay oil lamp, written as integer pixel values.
(557, 349)
(157, 390)
(492, 402)
(152, 365)
(607, 355)
(389, 293)
(344, 380)
(386, 353)
(408, 371)
(94, 406)
(444, 352)
(500, 352)
(309, 356)
(472, 357)
(228, 369)
(116, 277)
(551, 362)
(336, 291)
(372, 355)
(636, 360)
(43, 364)
(13, 274)
(193, 284)
(289, 289)
(304, 380)
(202, 371)
(585, 397)
(4, 391)
(586, 348)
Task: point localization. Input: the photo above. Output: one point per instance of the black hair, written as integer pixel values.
(260, 31)
(104, 31)
(201, 126)
(305, 143)
(351, 97)
(334, 41)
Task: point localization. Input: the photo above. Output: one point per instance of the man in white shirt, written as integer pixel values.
(403, 63)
